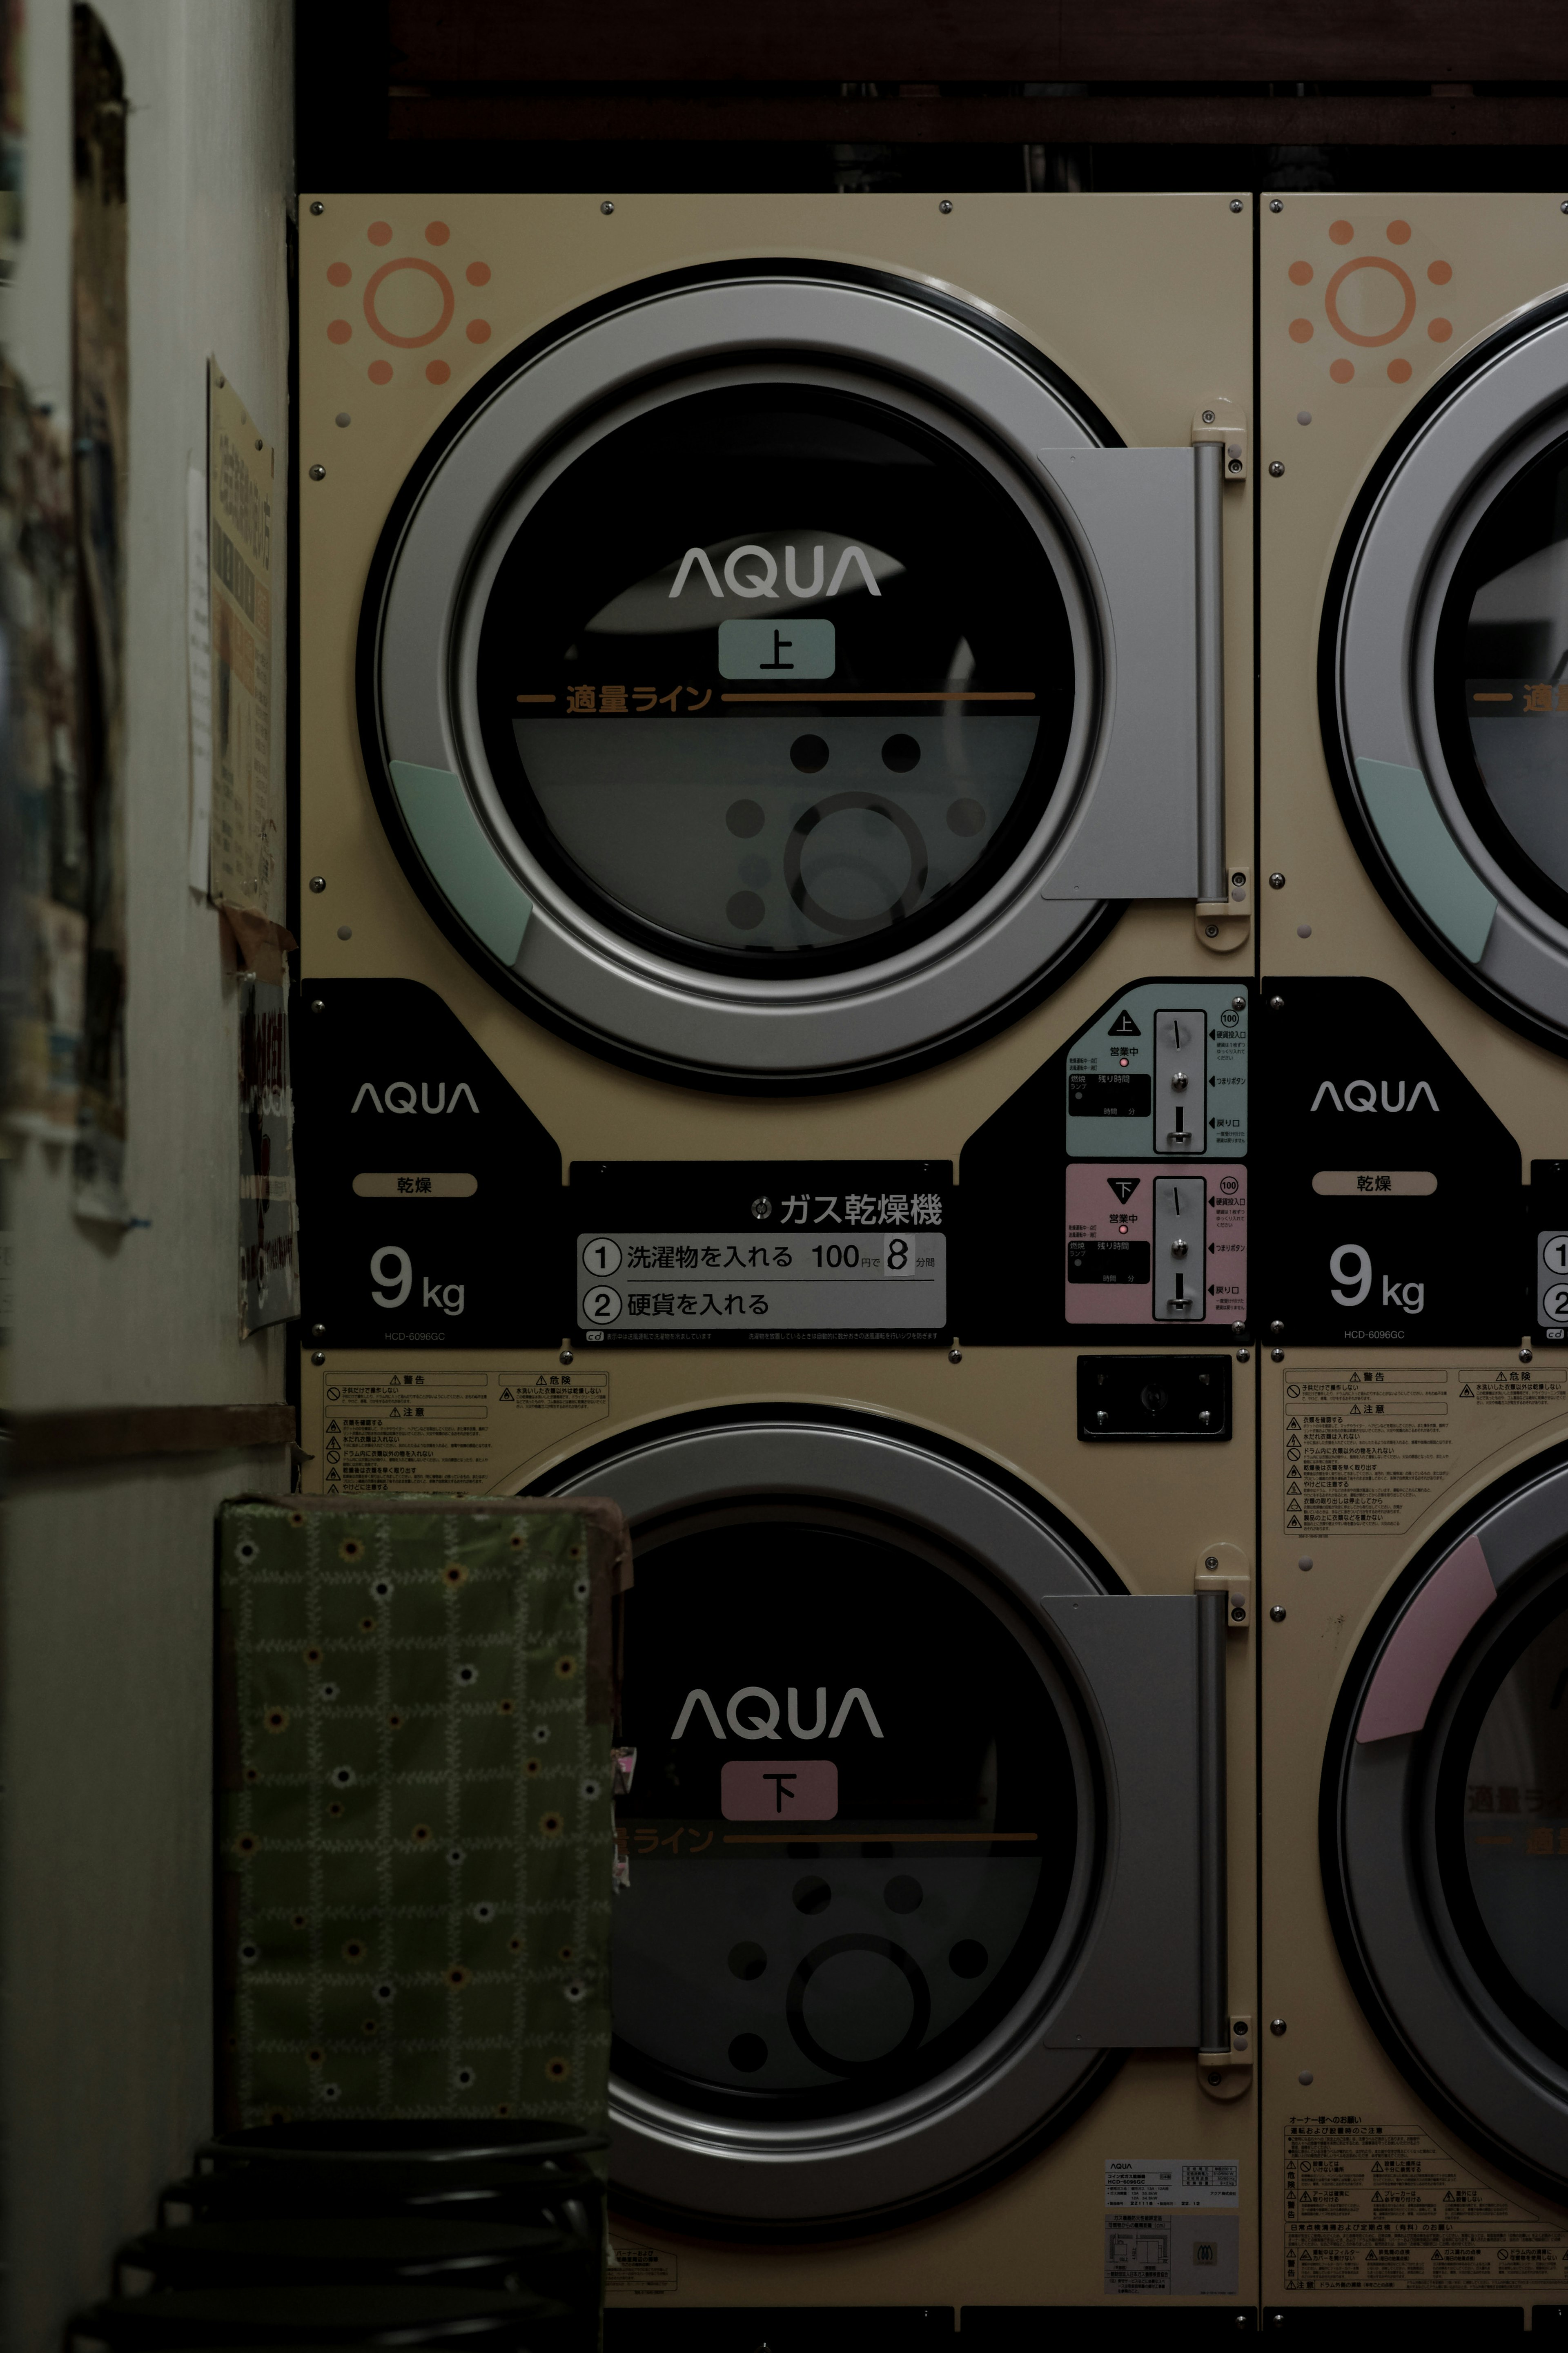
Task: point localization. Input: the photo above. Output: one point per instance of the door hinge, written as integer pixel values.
(1226, 923)
(1226, 2075)
(1223, 1568)
(1221, 421)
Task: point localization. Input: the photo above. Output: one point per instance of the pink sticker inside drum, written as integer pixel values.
(779, 1789)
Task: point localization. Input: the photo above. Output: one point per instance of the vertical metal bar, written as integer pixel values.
(1214, 881)
(1213, 1994)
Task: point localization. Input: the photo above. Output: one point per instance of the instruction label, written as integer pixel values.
(760, 1254)
(440, 1431)
(637, 2271)
(1364, 1453)
(869, 1286)
(1158, 2253)
(1172, 2181)
(1382, 2206)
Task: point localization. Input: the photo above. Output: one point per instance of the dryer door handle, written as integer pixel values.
(1150, 819)
(1153, 1971)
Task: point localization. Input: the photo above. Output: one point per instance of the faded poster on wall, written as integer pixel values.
(247, 865)
(100, 443)
(43, 855)
(269, 1252)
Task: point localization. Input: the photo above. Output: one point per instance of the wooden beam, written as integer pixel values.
(528, 118)
(954, 40)
(60, 1442)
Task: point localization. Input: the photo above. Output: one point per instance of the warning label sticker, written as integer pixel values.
(1365, 1452)
(1172, 2181)
(1382, 2206)
(438, 1432)
(633, 2270)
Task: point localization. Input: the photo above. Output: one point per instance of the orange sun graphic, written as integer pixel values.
(1370, 302)
(409, 304)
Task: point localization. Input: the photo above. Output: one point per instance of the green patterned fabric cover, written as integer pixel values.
(415, 1838)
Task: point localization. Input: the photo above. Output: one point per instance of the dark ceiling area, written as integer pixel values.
(932, 94)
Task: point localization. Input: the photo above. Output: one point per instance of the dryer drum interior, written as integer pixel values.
(1443, 674)
(1445, 1826)
(891, 1721)
(741, 652)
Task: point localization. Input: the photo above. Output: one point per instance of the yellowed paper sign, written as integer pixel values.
(247, 864)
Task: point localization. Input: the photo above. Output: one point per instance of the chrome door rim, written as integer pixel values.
(930, 2145)
(1455, 454)
(920, 352)
(1441, 2025)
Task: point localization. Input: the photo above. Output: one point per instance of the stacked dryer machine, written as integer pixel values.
(776, 935)
(1414, 1409)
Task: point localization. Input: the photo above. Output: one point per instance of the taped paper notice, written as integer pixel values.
(199, 678)
(246, 860)
(1382, 2206)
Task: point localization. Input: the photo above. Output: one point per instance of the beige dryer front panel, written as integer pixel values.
(1413, 1537)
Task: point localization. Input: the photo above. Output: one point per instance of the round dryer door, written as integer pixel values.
(867, 1825)
(1443, 674)
(1445, 1824)
(729, 671)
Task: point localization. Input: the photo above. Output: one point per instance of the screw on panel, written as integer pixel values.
(318, 1356)
(1208, 416)
(318, 473)
(1277, 1613)
(1274, 205)
(1211, 930)
(317, 1006)
(318, 207)
(945, 205)
(1277, 1356)
(1277, 467)
(1526, 1356)
(1237, 206)
(1243, 1355)
(1305, 2076)
(566, 1355)
(1277, 2026)
(343, 418)
(607, 206)
(1563, 208)
(318, 882)
(1277, 1329)
(1277, 1005)
(345, 931)
(1277, 881)
(956, 1355)
(1305, 1561)
(318, 1331)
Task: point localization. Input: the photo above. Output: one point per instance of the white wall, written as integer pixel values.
(150, 1315)
(106, 1908)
